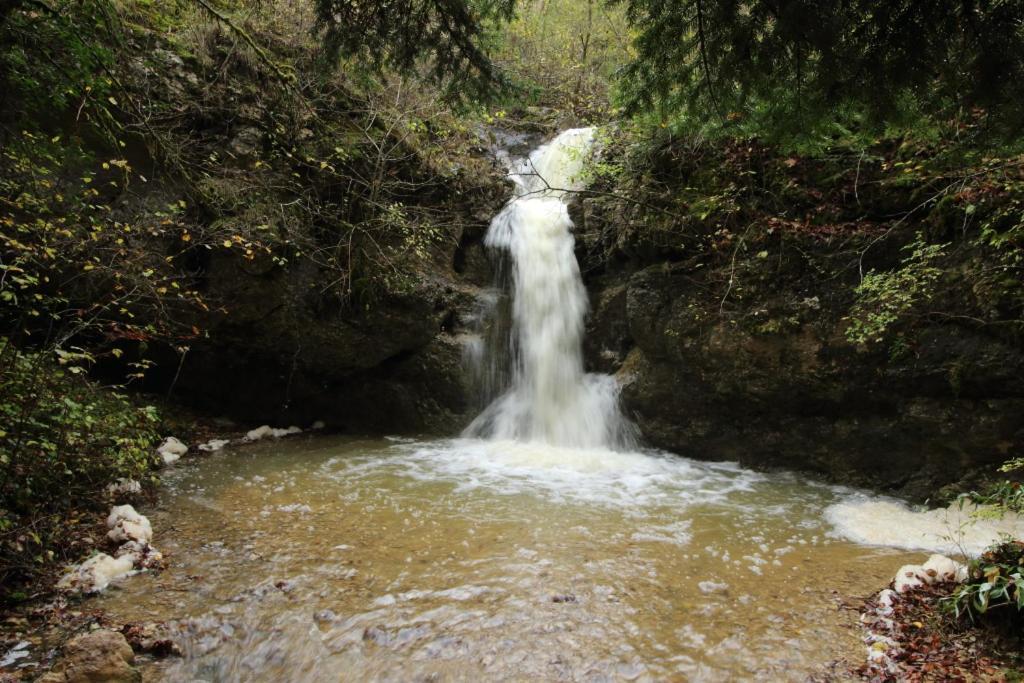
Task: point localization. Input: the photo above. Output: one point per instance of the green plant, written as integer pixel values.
(884, 298)
(63, 439)
(995, 580)
(1006, 495)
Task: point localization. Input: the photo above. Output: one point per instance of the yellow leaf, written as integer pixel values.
(227, 244)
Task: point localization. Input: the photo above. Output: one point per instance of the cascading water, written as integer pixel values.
(547, 398)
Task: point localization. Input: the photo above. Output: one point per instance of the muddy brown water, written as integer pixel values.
(338, 559)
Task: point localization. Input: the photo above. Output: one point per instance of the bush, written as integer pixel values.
(63, 439)
(1008, 494)
(996, 581)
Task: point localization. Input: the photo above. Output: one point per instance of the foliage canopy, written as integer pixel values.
(449, 35)
(795, 63)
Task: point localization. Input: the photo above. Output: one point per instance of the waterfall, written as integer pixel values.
(532, 358)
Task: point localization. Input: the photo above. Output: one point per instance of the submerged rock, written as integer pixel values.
(171, 450)
(214, 445)
(94, 657)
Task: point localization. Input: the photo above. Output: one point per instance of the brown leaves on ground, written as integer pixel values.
(935, 647)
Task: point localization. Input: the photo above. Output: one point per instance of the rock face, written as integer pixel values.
(744, 356)
(96, 657)
(398, 369)
(793, 393)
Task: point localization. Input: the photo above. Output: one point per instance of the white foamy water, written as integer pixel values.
(550, 399)
(955, 530)
(632, 481)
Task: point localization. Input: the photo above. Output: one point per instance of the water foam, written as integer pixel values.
(640, 483)
(957, 529)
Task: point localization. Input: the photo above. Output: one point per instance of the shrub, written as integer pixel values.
(996, 581)
(1006, 495)
(63, 439)
(884, 298)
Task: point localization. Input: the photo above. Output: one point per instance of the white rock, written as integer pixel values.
(126, 524)
(124, 487)
(19, 651)
(96, 573)
(937, 569)
(131, 548)
(266, 431)
(171, 450)
(909, 576)
(144, 556)
(123, 512)
(259, 433)
(940, 568)
(214, 445)
(886, 599)
(708, 587)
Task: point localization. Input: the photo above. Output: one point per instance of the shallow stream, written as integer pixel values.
(330, 559)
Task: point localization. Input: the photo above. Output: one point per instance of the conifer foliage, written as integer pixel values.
(447, 36)
(804, 60)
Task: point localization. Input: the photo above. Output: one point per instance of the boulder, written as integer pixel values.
(100, 656)
(771, 381)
